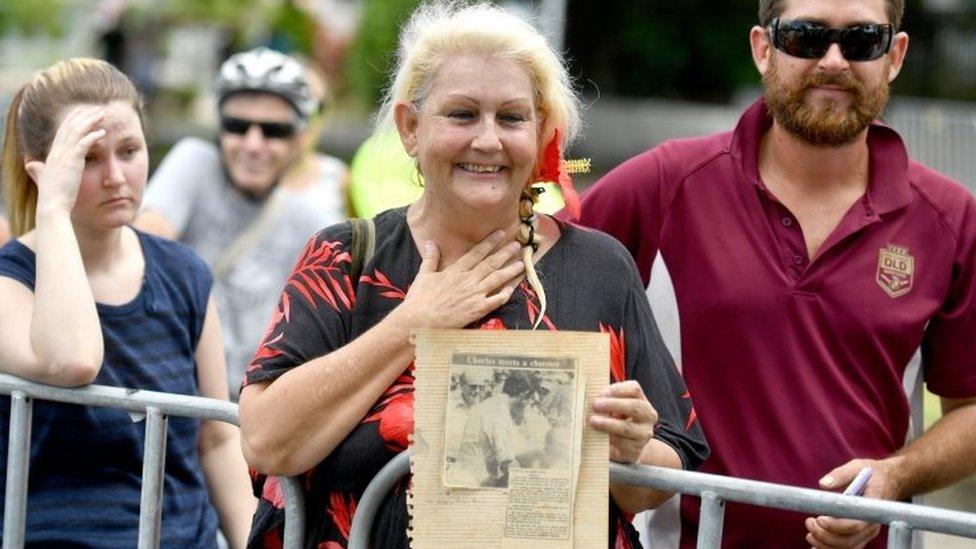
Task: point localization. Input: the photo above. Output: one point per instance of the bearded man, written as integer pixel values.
(810, 258)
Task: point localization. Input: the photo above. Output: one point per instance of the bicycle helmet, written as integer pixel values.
(266, 70)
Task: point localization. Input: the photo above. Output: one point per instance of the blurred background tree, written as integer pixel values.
(292, 29)
(373, 49)
(32, 16)
(243, 19)
(692, 50)
(698, 50)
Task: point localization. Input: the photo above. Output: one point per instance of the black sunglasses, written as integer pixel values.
(270, 130)
(808, 40)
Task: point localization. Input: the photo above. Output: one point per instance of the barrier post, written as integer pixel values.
(712, 521)
(899, 535)
(153, 463)
(18, 468)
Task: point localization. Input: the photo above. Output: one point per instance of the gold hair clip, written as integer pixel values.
(577, 165)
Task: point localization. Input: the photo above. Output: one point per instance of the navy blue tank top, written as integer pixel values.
(86, 462)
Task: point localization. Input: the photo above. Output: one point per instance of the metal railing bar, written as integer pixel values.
(712, 521)
(294, 535)
(18, 469)
(155, 405)
(153, 463)
(133, 400)
(723, 489)
(899, 535)
(802, 500)
(369, 503)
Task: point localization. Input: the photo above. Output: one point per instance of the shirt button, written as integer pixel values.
(787, 221)
(869, 212)
(798, 259)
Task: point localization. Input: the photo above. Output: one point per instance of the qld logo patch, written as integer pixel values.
(896, 270)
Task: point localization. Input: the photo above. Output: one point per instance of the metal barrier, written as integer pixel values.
(157, 406)
(715, 490)
(902, 518)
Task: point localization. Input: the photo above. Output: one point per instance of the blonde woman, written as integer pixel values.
(484, 106)
(84, 298)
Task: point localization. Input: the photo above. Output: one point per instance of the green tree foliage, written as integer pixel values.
(699, 49)
(292, 28)
(692, 49)
(372, 51)
(31, 16)
(241, 17)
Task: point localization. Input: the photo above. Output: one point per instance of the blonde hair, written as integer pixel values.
(33, 120)
(442, 29)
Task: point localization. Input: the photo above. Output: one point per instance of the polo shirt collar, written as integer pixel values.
(888, 186)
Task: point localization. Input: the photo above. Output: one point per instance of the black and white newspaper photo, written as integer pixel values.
(507, 412)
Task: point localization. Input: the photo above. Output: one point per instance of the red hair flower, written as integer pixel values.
(553, 168)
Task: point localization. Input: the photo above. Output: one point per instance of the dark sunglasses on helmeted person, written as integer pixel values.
(811, 40)
(270, 130)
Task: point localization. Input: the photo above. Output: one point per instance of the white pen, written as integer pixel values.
(860, 482)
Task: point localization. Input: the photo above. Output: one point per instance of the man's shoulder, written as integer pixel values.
(934, 182)
(190, 157)
(195, 147)
(695, 148)
(191, 163)
(682, 155)
(675, 159)
(950, 200)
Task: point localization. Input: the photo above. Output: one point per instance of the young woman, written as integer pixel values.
(484, 106)
(84, 298)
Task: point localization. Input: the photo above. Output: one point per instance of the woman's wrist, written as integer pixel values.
(403, 320)
(52, 209)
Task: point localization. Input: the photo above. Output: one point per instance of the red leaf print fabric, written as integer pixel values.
(692, 415)
(387, 288)
(318, 273)
(533, 307)
(618, 371)
(622, 541)
(492, 324)
(319, 313)
(342, 507)
(317, 277)
(394, 412)
(273, 492)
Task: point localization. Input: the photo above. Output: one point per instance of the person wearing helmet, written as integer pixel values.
(224, 200)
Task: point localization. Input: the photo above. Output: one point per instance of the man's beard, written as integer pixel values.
(826, 123)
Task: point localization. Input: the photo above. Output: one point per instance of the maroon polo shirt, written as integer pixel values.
(796, 363)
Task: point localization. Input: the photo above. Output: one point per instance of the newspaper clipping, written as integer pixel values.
(509, 441)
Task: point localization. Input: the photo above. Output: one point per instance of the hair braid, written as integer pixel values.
(529, 240)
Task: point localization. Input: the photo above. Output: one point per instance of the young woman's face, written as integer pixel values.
(476, 134)
(115, 173)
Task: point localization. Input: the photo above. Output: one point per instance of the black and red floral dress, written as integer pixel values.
(591, 285)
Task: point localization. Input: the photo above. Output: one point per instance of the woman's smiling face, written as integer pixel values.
(475, 136)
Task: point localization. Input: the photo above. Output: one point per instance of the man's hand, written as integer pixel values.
(829, 532)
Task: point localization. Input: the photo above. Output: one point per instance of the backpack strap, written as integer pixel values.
(361, 246)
